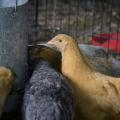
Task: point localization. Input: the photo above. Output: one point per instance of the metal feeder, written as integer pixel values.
(13, 44)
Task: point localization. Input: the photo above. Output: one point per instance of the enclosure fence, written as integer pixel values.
(85, 20)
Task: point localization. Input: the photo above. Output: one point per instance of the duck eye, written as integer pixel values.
(60, 40)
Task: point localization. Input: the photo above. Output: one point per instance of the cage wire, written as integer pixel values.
(82, 19)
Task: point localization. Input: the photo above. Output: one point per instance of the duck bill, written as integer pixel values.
(44, 45)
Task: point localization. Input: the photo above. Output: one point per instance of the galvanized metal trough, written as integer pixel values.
(13, 44)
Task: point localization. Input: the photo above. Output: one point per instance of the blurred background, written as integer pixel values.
(89, 21)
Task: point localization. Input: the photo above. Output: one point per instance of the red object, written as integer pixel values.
(111, 41)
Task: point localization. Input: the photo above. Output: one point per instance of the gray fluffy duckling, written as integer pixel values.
(47, 95)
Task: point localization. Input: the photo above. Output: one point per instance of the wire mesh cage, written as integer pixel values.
(89, 21)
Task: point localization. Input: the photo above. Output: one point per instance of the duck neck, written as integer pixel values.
(73, 62)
